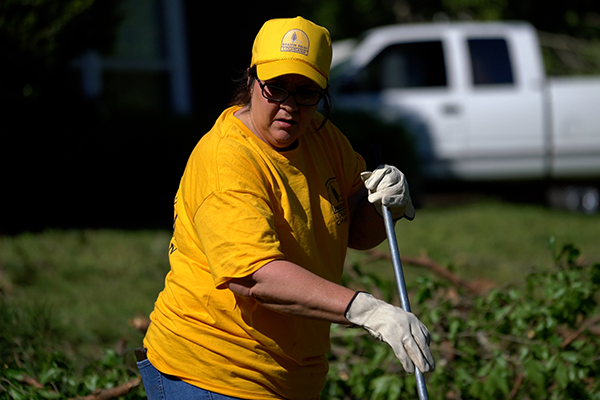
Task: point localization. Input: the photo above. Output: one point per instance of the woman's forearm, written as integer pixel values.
(288, 288)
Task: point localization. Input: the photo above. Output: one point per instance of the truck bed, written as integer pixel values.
(574, 104)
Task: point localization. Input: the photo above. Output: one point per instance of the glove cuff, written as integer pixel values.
(352, 301)
(360, 308)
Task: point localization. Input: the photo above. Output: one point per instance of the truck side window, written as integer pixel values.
(490, 62)
(406, 65)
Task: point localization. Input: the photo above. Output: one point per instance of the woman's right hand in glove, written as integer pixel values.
(405, 334)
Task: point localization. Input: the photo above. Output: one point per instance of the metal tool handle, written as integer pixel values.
(395, 253)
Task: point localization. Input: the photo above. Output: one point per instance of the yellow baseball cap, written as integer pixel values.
(292, 46)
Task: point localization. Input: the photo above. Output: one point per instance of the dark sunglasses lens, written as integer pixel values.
(303, 97)
(275, 93)
(308, 97)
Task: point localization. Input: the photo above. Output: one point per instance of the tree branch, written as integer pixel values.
(112, 393)
(425, 262)
(515, 389)
(584, 325)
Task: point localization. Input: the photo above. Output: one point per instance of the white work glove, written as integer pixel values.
(387, 185)
(406, 335)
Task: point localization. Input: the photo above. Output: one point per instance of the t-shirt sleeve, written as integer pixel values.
(235, 223)
(244, 238)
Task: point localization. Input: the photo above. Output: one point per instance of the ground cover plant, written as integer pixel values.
(538, 342)
(513, 313)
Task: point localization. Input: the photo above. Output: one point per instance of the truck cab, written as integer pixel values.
(471, 94)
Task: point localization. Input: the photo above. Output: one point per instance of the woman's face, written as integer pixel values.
(280, 124)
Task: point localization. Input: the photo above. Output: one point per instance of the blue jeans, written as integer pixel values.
(160, 386)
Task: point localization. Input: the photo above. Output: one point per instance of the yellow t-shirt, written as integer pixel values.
(240, 205)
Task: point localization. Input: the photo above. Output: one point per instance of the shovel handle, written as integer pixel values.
(395, 253)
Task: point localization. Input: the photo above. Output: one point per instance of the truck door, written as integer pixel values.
(408, 83)
(504, 111)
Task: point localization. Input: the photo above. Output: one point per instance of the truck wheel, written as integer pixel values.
(572, 199)
(575, 198)
(589, 200)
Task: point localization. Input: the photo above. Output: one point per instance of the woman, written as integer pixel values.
(269, 201)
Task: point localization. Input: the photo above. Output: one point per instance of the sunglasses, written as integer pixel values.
(303, 97)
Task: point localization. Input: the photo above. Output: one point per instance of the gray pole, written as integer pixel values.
(395, 253)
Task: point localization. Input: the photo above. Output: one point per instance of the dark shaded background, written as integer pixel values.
(67, 162)
(71, 163)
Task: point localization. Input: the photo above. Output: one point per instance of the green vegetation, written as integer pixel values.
(67, 298)
(530, 343)
(496, 240)
(91, 282)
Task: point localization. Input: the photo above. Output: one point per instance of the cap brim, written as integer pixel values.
(274, 69)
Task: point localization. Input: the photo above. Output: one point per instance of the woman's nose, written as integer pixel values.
(290, 103)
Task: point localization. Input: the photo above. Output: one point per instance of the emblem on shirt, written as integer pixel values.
(337, 201)
(295, 41)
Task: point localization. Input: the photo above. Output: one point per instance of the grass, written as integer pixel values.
(95, 281)
(499, 241)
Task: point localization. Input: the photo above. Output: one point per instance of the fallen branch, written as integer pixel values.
(31, 382)
(28, 380)
(426, 262)
(515, 389)
(112, 393)
(587, 324)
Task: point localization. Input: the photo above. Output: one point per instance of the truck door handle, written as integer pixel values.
(451, 109)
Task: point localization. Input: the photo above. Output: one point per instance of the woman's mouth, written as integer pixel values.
(286, 123)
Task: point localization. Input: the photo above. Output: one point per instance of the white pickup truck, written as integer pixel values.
(478, 102)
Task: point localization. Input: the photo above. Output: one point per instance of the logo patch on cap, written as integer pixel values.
(295, 41)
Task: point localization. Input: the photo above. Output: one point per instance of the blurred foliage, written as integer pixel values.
(347, 18)
(571, 45)
(566, 55)
(39, 38)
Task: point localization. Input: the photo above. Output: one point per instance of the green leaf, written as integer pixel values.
(485, 370)
(49, 375)
(91, 382)
(496, 381)
(533, 372)
(49, 395)
(14, 374)
(423, 295)
(453, 328)
(383, 385)
(569, 356)
(16, 394)
(434, 316)
(475, 390)
(561, 374)
(462, 375)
